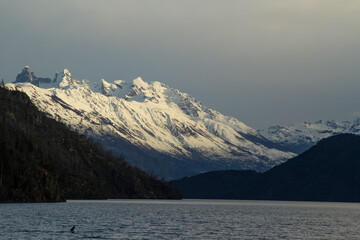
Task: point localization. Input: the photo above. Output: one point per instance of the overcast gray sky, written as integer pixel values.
(264, 62)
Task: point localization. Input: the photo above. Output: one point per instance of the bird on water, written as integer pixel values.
(72, 230)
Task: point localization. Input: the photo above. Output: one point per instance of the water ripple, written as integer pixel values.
(187, 219)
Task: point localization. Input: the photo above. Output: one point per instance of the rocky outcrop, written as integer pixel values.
(27, 75)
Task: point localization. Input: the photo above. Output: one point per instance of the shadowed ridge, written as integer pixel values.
(329, 171)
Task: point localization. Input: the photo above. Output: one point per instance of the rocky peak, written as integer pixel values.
(25, 76)
(106, 87)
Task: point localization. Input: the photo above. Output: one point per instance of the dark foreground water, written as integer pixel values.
(186, 219)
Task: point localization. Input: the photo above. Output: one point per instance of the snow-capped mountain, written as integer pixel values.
(299, 137)
(152, 125)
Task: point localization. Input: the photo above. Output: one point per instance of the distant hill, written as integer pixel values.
(329, 171)
(41, 160)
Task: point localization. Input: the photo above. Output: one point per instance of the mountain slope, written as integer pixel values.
(300, 137)
(329, 171)
(41, 160)
(155, 127)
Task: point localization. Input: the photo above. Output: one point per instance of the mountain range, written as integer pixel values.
(301, 136)
(155, 127)
(329, 171)
(167, 132)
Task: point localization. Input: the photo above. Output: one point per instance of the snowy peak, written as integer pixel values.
(66, 79)
(140, 84)
(137, 90)
(122, 89)
(141, 91)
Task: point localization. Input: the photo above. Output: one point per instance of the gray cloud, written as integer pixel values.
(264, 62)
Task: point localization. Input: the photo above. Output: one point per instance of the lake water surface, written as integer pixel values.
(185, 219)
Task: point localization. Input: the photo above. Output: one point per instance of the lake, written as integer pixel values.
(180, 219)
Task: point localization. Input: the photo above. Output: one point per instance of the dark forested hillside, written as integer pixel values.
(42, 160)
(329, 171)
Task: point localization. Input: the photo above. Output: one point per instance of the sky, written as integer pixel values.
(265, 62)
